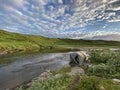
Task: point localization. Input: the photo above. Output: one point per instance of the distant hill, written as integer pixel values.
(12, 42)
(114, 37)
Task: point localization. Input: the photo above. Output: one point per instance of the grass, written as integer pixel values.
(106, 63)
(52, 84)
(62, 70)
(16, 42)
(12, 42)
(67, 82)
(96, 83)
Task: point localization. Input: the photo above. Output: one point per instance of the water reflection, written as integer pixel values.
(27, 66)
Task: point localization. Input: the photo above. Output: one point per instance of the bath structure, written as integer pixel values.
(78, 58)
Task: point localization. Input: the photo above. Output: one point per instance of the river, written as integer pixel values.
(17, 69)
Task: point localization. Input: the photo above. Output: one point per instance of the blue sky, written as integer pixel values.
(77, 19)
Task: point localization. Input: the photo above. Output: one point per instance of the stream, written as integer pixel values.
(24, 67)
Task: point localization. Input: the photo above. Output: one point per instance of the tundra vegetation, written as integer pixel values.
(99, 75)
(13, 42)
(106, 63)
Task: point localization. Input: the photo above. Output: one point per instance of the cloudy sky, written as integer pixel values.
(88, 19)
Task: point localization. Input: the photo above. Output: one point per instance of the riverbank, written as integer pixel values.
(103, 73)
(14, 42)
(65, 79)
(18, 68)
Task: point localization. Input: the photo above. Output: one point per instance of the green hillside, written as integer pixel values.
(12, 42)
(18, 42)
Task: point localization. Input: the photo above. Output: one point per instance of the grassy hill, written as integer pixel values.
(12, 42)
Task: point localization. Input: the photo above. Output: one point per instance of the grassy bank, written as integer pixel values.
(100, 75)
(74, 82)
(66, 83)
(12, 42)
(106, 63)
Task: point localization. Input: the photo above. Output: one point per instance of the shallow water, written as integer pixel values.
(25, 67)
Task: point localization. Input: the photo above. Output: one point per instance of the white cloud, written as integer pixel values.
(114, 19)
(114, 5)
(96, 35)
(53, 17)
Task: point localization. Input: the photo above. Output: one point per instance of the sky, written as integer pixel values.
(76, 19)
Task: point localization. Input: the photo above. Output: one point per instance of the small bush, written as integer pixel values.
(88, 83)
(63, 70)
(109, 68)
(52, 84)
(100, 56)
(96, 83)
(101, 69)
(115, 63)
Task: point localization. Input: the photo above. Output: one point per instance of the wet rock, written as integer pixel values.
(3, 53)
(25, 86)
(7, 89)
(76, 71)
(57, 76)
(116, 80)
(102, 88)
(46, 74)
(49, 47)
